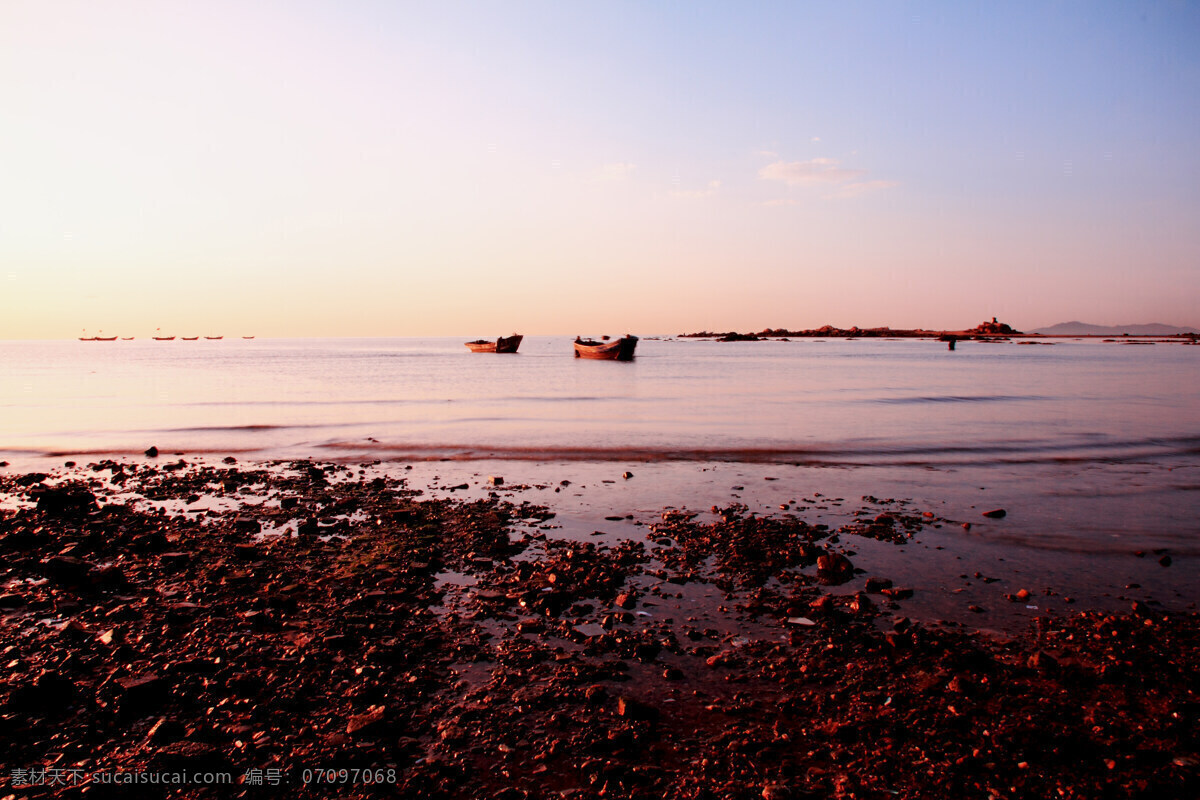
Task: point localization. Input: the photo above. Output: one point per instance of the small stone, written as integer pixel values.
(495, 480)
(996, 513)
(152, 452)
(626, 475)
(247, 525)
(631, 708)
(361, 724)
(878, 584)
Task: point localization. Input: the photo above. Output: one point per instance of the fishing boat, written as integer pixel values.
(214, 338)
(189, 338)
(158, 338)
(619, 350)
(127, 338)
(105, 339)
(505, 344)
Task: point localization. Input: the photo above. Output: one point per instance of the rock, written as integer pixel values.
(774, 791)
(67, 570)
(878, 584)
(1043, 662)
(626, 475)
(174, 560)
(834, 568)
(861, 604)
(366, 723)
(633, 709)
(142, 694)
(996, 513)
(65, 501)
(152, 452)
(495, 480)
(51, 692)
(166, 730)
(1165, 561)
(247, 525)
(626, 600)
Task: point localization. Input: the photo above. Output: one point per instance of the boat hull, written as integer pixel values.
(505, 344)
(620, 350)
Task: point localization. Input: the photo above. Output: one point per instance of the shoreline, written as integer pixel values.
(312, 615)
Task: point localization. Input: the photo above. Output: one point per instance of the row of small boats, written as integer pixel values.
(86, 338)
(605, 349)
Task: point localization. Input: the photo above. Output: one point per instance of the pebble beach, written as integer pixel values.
(310, 629)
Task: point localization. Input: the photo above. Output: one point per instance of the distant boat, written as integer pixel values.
(126, 338)
(105, 339)
(247, 337)
(189, 338)
(504, 344)
(213, 338)
(161, 338)
(620, 350)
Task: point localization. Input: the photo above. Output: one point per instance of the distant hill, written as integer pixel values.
(1084, 329)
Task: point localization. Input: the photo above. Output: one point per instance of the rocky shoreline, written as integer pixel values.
(275, 622)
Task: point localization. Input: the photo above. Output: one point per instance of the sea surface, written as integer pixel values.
(827, 402)
(1092, 447)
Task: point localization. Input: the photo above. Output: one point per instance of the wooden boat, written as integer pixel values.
(189, 338)
(126, 338)
(105, 339)
(214, 338)
(619, 350)
(505, 344)
(247, 337)
(163, 338)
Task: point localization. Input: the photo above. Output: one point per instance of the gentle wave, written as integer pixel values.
(955, 398)
(893, 455)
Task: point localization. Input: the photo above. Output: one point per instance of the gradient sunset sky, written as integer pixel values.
(401, 168)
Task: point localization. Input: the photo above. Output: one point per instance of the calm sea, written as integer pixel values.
(828, 402)
(1093, 448)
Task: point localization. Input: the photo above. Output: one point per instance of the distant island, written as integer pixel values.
(983, 329)
(1085, 329)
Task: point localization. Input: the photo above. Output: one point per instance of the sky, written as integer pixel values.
(447, 168)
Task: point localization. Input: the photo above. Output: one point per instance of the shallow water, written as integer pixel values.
(1092, 447)
(827, 402)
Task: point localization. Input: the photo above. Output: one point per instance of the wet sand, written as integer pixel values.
(448, 635)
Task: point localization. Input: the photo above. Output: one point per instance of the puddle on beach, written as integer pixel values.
(1067, 533)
